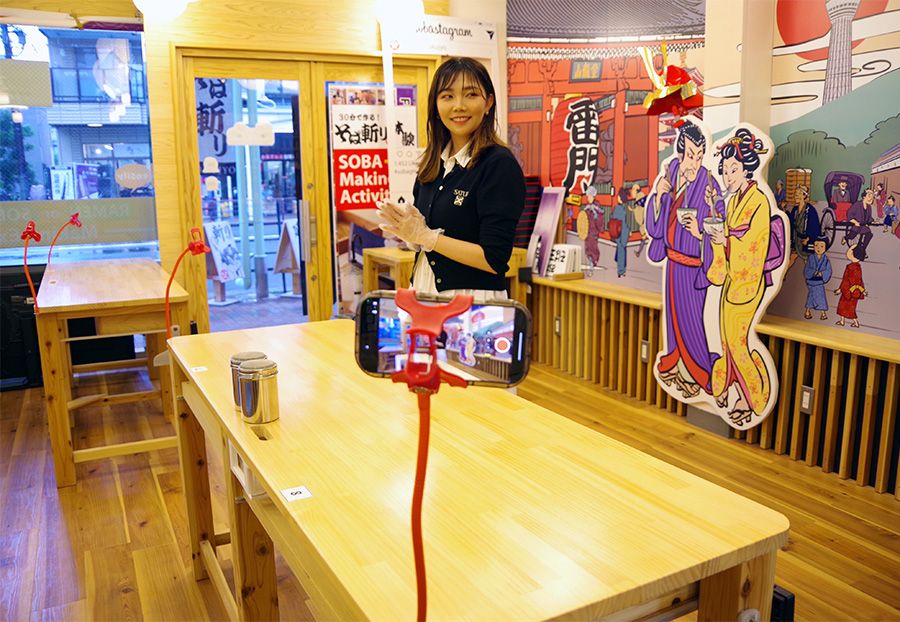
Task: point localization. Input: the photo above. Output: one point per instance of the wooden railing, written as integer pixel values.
(595, 331)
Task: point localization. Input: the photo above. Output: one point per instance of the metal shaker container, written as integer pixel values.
(259, 390)
(236, 361)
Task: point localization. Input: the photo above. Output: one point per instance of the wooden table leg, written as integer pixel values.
(194, 474)
(253, 557)
(370, 274)
(156, 342)
(745, 586)
(402, 275)
(57, 393)
(179, 316)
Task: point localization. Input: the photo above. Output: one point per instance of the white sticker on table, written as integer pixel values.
(198, 369)
(298, 492)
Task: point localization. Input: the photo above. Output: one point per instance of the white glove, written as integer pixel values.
(407, 223)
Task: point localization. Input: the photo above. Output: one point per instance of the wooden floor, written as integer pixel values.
(113, 546)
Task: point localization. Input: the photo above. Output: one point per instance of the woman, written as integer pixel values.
(739, 256)
(469, 191)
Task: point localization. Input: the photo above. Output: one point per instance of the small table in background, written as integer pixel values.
(125, 297)
(399, 264)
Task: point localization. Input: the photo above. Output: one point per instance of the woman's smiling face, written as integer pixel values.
(462, 106)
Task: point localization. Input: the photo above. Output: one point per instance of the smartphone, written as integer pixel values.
(490, 344)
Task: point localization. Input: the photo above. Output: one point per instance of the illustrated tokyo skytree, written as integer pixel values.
(839, 67)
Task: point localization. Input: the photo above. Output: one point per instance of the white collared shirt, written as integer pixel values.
(460, 158)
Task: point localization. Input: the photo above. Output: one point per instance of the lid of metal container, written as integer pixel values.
(240, 357)
(263, 367)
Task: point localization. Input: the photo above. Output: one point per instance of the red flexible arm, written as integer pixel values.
(416, 511)
(195, 247)
(168, 286)
(73, 220)
(424, 379)
(30, 233)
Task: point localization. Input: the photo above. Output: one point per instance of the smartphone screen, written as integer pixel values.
(488, 344)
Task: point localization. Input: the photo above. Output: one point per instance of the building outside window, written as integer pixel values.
(88, 152)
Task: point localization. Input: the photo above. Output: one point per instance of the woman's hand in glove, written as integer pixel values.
(407, 223)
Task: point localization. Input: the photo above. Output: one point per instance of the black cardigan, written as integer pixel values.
(481, 204)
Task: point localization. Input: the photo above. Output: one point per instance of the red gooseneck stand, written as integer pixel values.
(424, 379)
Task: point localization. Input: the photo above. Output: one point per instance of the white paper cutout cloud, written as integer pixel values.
(240, 134)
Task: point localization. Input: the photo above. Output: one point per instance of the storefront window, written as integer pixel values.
(86, 150)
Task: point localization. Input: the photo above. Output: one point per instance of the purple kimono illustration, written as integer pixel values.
(675, 216)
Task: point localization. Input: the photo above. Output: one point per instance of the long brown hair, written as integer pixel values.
(473, 72)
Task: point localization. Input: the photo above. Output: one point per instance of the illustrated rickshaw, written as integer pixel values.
(835, 216)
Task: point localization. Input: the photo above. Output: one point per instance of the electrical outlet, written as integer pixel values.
(176, 330)
(645, 351)
(557, 326)
(806, 399)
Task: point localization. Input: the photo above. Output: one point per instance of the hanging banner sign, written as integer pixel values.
(439, 34)
(358, 144)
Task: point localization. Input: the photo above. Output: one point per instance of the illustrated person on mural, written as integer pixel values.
(817, 273)
(852, 288)
(674, 213)
(745, 253)
(620, 214)
(860, 217)
(469, 190)
(806, 222)
(891, 213)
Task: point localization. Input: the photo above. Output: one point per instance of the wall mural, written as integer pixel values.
(836, 168)
(576, 116)
(721, 240)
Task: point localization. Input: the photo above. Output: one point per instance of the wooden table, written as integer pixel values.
(125, 297)
(399, 264)
(527, 515)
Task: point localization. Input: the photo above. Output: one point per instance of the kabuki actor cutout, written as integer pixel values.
(721, 240)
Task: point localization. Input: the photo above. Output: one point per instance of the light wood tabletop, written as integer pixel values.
(95, 285)
(527, 515)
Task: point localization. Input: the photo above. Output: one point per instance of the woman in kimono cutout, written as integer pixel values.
(739, 256)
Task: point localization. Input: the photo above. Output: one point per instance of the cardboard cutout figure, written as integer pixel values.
(724, 259)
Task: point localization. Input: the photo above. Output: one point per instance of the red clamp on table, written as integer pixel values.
(30, 233)
(424, 379)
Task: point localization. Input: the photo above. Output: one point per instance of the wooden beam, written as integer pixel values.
(124, 449)
(86, 368)
(867, 432)
(888, 429)
(116, 398)
(217, 579)
(835, 392)
(849, 434)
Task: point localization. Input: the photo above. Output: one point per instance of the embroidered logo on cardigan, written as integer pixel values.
(459, 196)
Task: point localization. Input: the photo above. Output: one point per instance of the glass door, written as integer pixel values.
(253, 192)
(354, 131)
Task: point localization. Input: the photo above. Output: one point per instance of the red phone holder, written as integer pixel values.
(30, 233)
(427, 323)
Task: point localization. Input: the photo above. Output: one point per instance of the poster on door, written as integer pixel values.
(360, 171)
(359, 142)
